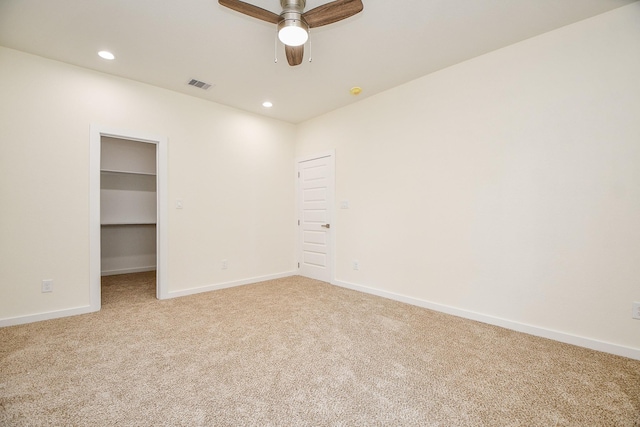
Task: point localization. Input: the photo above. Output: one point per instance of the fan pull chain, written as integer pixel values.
(275, 49)
(310, 57)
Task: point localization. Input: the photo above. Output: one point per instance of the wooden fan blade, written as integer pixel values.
(294, 54)
(251, 10)
(332, 12)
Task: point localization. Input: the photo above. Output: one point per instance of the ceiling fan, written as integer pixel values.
(293, 23)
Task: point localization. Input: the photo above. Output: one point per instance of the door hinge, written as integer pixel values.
(298, 265)
(298, 174)
(298, 222)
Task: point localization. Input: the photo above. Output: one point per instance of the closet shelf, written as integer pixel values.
(111, 224)
(113, 171)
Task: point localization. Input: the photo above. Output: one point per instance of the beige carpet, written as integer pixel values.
(298, 352)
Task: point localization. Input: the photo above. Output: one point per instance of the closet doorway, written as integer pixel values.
(128, 187)
(128, 206)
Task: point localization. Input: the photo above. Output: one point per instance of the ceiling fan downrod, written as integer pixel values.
(293, 6)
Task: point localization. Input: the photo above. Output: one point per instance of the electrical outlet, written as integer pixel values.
(47, 285)
(636, 310)
(356, 265)
(225, 264)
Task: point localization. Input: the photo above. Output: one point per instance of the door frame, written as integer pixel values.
(96, 134)
(330, 214)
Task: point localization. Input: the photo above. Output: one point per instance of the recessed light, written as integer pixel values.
(105, 54)
(355, 91)
(267, 104)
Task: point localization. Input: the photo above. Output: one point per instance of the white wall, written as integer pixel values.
(506, 186)
(233, 171)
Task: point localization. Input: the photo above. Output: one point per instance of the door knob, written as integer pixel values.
(326, 226)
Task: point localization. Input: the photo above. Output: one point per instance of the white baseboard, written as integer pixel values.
(20, 320)
(563, 337)
(224, 285)
(589, 343)
(127, 270)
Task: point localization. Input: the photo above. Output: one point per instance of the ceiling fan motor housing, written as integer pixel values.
(291, 20)
(292, 11)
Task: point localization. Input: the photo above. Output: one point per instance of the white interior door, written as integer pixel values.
(315, 202)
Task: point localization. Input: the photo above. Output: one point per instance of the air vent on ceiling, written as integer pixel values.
(198, 83)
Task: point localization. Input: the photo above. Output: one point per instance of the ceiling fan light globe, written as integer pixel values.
(292, 33)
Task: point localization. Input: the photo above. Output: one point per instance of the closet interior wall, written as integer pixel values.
(128, 203)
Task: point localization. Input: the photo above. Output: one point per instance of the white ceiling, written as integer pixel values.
(167, 42)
